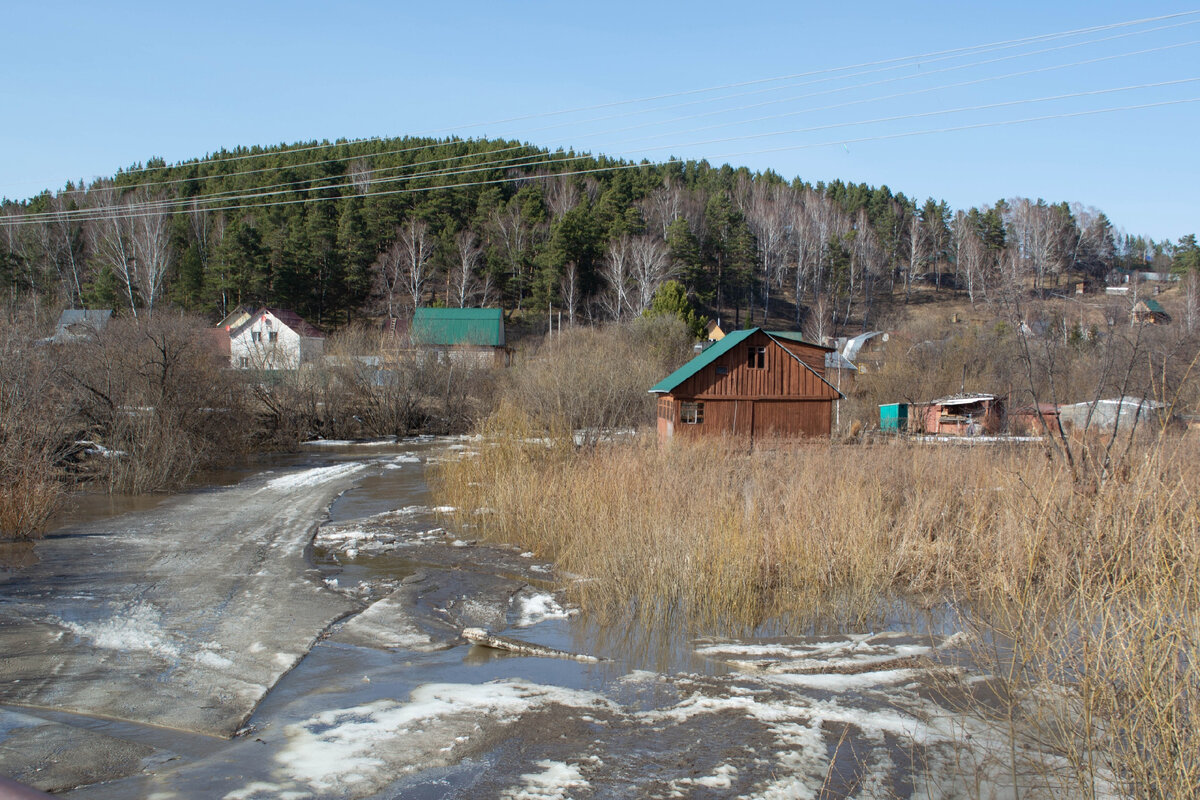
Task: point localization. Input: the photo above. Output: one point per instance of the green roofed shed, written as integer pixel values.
(750, 383)
(450, 327)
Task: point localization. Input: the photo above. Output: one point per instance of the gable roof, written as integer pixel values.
(79, 323)
(1152, 305)
(84, 316)
(482, 327)
(723, 346)
(287, 317)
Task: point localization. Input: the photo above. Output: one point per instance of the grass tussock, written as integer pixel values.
(1083, 599)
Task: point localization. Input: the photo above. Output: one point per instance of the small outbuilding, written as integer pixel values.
(893, 417)
(1148, 312)
(1121, 413)
(1033, 420)
(963, 415)
(752, 383)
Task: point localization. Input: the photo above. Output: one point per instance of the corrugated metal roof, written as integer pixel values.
(710, 354)
(720, 348)
(75, 316)
(458, 326)
(963, 399)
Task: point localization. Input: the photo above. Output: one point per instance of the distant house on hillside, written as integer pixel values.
(751, 383)
(76, 324)
(461, 335)
(713, 331)
(273, 338)
(962, 415)
(1148, 312)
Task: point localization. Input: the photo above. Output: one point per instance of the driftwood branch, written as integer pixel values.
(485, 639)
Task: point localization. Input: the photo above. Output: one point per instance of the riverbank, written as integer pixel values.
(1057, 581)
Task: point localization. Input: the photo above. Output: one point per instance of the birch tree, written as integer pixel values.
(463, 280)
(616, 271)
(650, 268)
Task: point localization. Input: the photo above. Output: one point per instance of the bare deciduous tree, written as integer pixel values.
(404, 267)
(616, 272)
(463, 280)
(650, 268)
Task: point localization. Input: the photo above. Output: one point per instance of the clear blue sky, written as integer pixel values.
(91, 87)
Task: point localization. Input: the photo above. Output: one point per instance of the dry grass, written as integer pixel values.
(1083, 600)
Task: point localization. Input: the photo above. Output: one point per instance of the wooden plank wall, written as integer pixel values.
(756, 418)
(781, 375)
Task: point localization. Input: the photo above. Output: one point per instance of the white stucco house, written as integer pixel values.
(274, 338)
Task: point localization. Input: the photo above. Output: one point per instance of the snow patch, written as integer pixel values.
(532, 609)
(554, 782)
(138, 627)
(368, 746)
(314, 477)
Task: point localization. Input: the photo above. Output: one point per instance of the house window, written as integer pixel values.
(243, 362)
(756, 357)
(255, 336)
(273, 336)
(691, 413)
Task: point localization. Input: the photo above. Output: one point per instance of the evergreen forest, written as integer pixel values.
(351, 230)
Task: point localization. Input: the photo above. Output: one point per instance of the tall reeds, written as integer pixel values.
(1083, 599)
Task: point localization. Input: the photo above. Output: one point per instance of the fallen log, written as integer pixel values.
(485, 639)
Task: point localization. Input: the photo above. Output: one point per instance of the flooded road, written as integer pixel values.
(131, 646)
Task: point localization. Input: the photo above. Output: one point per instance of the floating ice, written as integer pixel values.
(554, 782)
(532, 609)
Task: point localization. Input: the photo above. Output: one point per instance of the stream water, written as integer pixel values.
(391, 701)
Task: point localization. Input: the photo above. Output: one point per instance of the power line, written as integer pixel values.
(627, 166)
(909, 93)
(900, 60)
(835, 90)
(917, 115)
(375, 170)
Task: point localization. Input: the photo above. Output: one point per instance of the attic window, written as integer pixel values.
(691, 413)
(273, 336)
(756, 357)
(255, 336)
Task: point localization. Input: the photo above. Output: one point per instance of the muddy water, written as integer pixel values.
(392, 702)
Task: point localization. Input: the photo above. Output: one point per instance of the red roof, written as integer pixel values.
(287, 317)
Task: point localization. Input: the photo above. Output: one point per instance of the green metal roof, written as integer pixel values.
(720, 348)
(1153, 306)
(708, 356)
(458, 326)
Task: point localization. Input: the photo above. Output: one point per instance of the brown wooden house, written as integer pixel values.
(751, 383)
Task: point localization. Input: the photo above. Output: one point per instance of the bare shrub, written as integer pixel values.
(596, 379)
(369, 385)
(154, 396)
(34, 435)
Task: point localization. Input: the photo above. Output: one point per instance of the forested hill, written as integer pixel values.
(340, 231)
